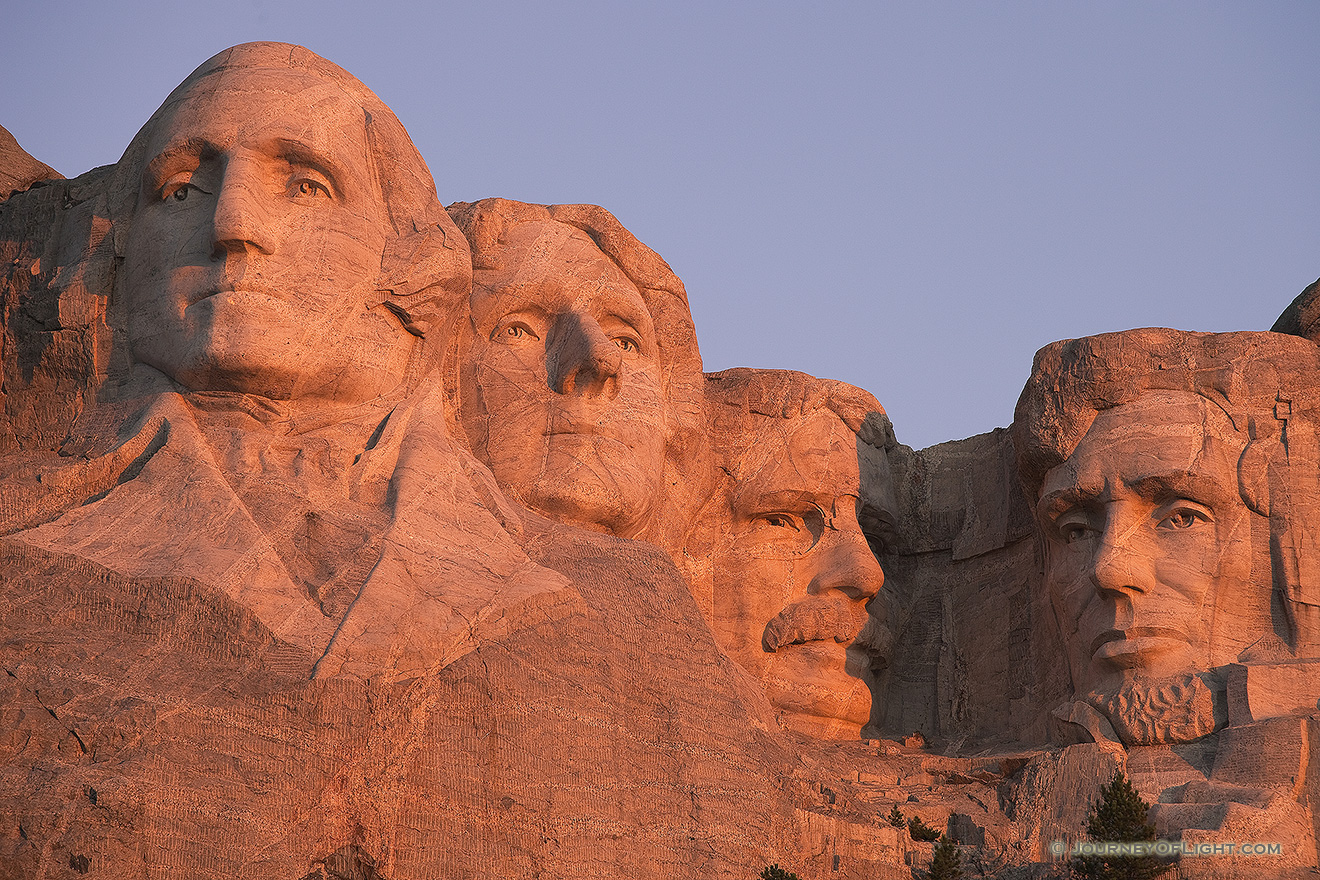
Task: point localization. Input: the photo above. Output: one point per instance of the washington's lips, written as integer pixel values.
(1138, 640)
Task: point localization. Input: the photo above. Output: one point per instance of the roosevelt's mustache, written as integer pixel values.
(815, 619)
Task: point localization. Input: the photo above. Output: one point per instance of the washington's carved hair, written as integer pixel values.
(425, 268)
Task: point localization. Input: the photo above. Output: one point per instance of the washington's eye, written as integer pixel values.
(303, 187)
(179, 187)
(628, 345)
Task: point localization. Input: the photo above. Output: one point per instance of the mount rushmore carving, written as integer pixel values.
(346, 535)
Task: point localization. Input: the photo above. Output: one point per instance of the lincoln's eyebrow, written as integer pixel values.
(1162, 488)
(192, 149)
(1055, 503)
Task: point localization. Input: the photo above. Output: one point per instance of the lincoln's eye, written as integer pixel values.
(1183, 518)
(181, 194)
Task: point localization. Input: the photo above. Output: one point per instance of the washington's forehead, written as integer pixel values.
(248, 105)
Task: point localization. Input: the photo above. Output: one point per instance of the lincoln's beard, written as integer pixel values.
(1146, 711)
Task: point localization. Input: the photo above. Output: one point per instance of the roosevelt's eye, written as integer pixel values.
(781, 521)
(1182, 517)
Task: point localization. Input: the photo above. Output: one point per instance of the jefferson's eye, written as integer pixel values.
(1073, 527)
(781, 521)
(1073, 532)
(514, 332)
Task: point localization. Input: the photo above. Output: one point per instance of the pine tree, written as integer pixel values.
(774, 872)
(1119, 816)
(947, 861)
(896, 818)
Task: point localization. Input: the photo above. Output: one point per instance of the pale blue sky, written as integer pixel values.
(912, 197)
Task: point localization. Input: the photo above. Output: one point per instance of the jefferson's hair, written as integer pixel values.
(487, 224)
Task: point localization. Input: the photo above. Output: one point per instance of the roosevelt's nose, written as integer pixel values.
(581, 359)
(1119, 564)
(242, 220)
(845, 563)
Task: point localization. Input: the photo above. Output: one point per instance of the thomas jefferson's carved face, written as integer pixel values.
(563, 395)
(794, 573)
(256, 243)
(1145, 529)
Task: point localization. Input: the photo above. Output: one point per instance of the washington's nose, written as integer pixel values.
(581, 359)
(242, 215)
(847, 564)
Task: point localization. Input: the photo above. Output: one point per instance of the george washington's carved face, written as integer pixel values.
(1145, 529)
(563, 397)
(257, 241)
(793, 573)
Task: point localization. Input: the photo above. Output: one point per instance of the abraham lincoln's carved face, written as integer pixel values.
(1145, 528)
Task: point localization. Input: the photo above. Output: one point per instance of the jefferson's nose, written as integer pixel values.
(242, 212)
(581, 359)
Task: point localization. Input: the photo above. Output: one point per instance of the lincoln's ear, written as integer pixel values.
(1254, 464)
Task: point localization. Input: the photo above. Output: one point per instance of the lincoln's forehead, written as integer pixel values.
(1159, 437)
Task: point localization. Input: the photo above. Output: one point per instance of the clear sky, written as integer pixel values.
(912, 197)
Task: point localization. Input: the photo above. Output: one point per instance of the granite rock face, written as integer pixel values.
(347, 536)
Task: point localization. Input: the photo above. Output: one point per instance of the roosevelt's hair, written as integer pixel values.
(425, 268)
(1265, 383)
(738, 398)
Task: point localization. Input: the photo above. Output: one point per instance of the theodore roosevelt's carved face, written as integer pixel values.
(563, 397)
(794, 572)
(257, 240)
(1145, 528)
